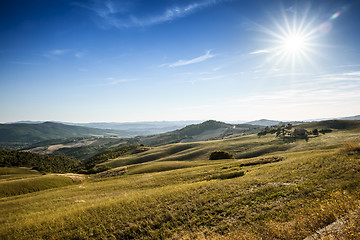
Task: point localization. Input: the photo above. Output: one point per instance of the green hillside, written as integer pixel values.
(200, 132)
(80, 148)
(334, 124)
(270, 190)
(31, 133)
(85, 148)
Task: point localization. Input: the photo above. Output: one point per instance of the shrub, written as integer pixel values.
(326, 130)
(216, 155)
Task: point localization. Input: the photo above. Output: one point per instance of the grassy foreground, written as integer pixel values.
(271, 191)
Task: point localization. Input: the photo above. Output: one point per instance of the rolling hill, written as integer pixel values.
(270, 190)
(200, 132)
(86, 148)
(31, 133)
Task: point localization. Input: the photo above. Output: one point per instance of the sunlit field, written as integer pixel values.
(309, 186)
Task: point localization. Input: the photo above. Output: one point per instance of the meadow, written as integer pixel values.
(270, 190)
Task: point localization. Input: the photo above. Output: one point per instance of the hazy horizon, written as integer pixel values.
(188, 120)
(139, 61)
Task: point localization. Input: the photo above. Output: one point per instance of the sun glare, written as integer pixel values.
(292, 41)
(294, 44)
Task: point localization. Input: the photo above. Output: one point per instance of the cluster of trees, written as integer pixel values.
(286, 133)
(43, 163)
(63, 164)
(216, 155)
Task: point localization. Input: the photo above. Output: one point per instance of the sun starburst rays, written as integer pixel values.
(292, 42)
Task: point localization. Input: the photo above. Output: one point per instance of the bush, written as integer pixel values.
(216, 155)
(327, 130)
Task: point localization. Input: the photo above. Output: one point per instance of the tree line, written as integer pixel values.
(42, 163)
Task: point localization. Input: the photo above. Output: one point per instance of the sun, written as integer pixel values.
(294, 44)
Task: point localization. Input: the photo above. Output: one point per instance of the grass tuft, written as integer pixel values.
(350, 148)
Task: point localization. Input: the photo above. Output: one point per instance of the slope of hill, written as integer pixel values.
(88, 147)
(268, 123)
(242, 147)
(357, 117)
(199, 132)
(271, 190)
(80, 148)
(30, 133)
(334, 124)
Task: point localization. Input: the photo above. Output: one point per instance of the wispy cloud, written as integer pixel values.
(123, 14)
(79, 54)
(182, 62)
(115, 81)
(261, 51)
(57, 53)
(357, 74)
(202, 79)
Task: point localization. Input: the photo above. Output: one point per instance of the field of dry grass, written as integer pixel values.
(271, 190)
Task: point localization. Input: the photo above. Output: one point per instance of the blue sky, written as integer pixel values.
(139, 60)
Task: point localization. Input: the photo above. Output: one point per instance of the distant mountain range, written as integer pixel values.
(357, 117)
(264, 122)
(31, 132)
(84, 148)
(59, 138)
(140, 128)
(267, 122)
(129, 129)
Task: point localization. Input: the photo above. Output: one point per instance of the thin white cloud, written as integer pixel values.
(115, 81)
(261, 51)
(356, 74)
(55, 53)
(202, 79)
(58, 53)
(202, 58)
(120, 14)
(79, 54)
